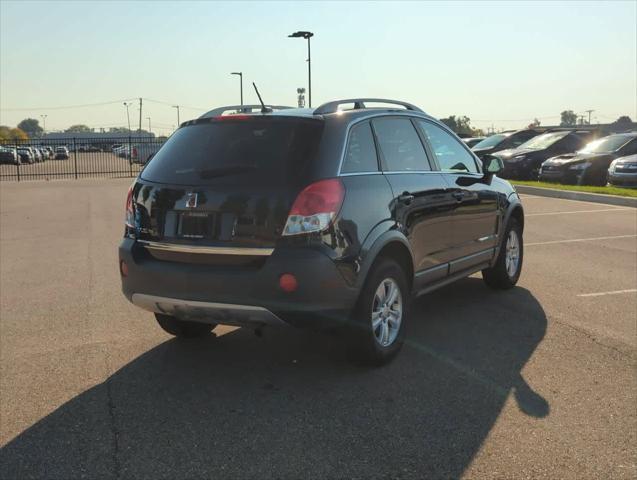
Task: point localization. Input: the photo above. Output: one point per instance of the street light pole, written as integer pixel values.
(178, 122)
(307, 36)
(43, 123)
(126, 104)
(240, 84)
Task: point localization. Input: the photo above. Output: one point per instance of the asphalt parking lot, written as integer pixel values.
(536, 382)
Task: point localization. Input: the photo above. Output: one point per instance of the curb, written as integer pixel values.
(581, 196)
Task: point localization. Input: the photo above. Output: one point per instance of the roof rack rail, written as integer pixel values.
(332, 107)
(572, 128)
(238, 109)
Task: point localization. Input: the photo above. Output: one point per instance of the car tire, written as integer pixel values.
(183, 328)
(377, 328)
(504, 274)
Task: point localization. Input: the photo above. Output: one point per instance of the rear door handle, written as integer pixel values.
(406, 198)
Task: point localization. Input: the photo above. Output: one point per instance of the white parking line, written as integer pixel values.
(552, 242)
(526, 197)
(580, 211)
(615, 292)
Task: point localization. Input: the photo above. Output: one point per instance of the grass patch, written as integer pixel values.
(622, 192)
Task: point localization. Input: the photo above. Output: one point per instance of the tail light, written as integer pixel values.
(315, 207)
(130, 211)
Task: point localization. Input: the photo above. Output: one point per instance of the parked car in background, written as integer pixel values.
(589, 166)
(471, 141)
(623, 171)
(51, 152)
(43, 152)
(142, 152)
(61, 153)
(505, 140)
(26, 155)
(123, 151)
(37, 156)
(523, 162)
(314, 217)
(9, 155)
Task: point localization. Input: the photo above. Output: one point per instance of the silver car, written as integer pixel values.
(623, 171)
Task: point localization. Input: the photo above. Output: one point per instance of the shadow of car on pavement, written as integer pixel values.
(290, 405)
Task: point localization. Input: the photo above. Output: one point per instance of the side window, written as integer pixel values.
(401, 146)
(360, 155)
(630, 148)
(522, 137)
(451, 155)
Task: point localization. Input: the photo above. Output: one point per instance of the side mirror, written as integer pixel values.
(491, 165)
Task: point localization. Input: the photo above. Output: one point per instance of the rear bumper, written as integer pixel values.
(238, 295)
(223, 313)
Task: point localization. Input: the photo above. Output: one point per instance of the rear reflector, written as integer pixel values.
(123, 268)
(288, 283)
(315, 207)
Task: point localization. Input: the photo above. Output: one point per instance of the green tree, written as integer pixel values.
(461, 125)
(16, 133)
(624, 120)
(11, 134)
(568, 118)
(31, 127)
(534, 124)
(79, 129)
(4, 133)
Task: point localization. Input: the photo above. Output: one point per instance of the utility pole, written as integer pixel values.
(43, 123)
(589, 115)
(148, 118)
(127, 104)
(140, 114)
(178, 122)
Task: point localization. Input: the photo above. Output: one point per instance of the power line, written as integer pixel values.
(65, 107)
(171, 104)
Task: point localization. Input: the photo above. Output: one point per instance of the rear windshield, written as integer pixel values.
(271, 149)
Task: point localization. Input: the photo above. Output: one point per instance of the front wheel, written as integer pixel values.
(378, 321)
(183, 328)
(508, 266)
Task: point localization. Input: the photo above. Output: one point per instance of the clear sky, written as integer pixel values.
(500, 63)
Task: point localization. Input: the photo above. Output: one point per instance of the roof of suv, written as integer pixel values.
(360, 108)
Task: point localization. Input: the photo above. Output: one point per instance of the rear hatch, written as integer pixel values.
(225, 182)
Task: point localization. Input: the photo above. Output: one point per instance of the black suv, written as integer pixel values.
(589, 166)
(298, 216)
(504, 141)
(524, 162)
